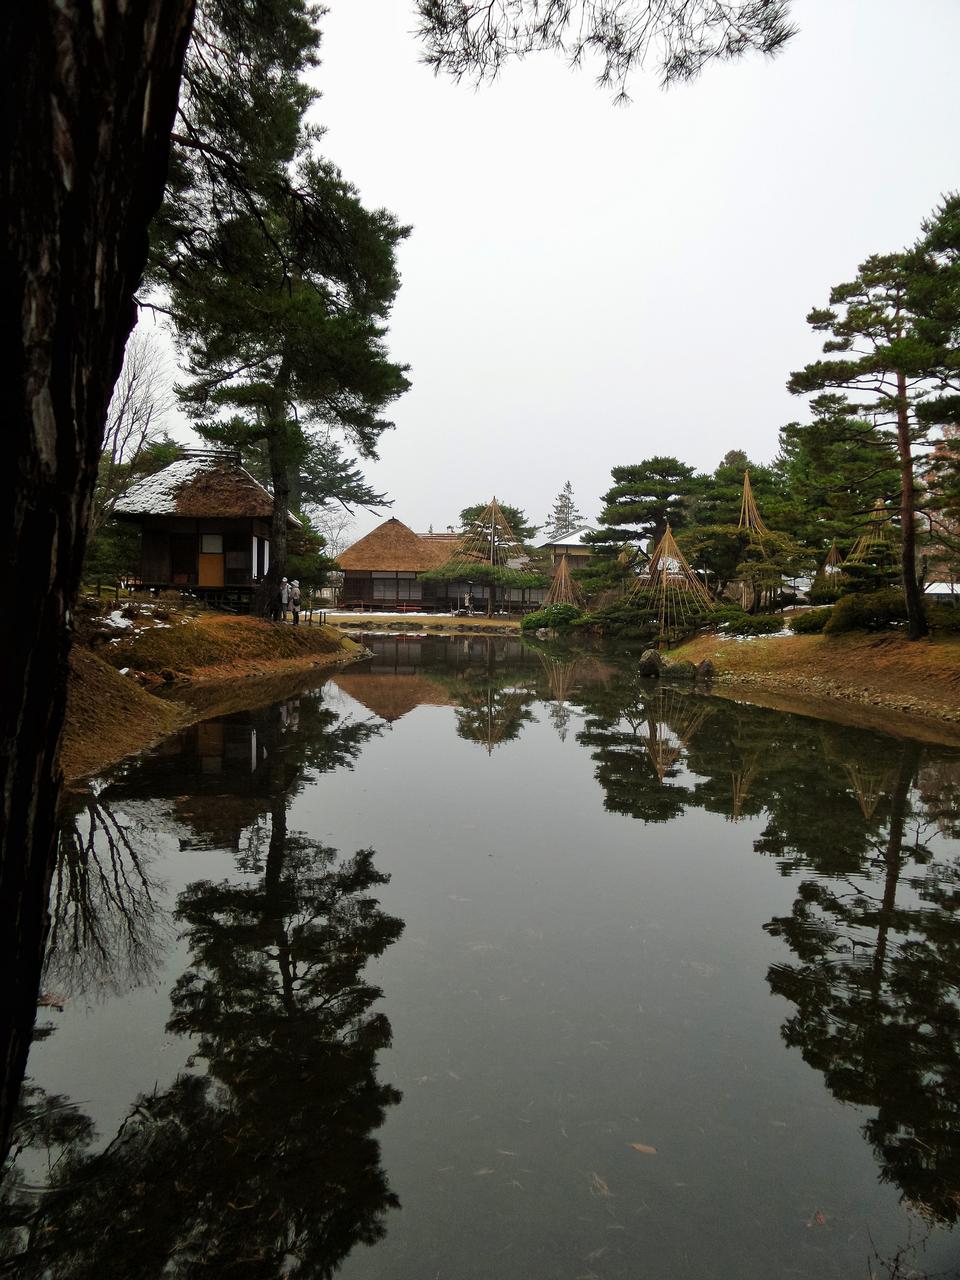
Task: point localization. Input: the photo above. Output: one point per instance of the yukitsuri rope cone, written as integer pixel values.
(489, 540)
(876, 536)
(673, 587)
(834, 559)
(749, 515)
(563, 589)
(490, 549)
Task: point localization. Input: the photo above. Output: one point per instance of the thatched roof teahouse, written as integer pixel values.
(384, 570)
(204, 522)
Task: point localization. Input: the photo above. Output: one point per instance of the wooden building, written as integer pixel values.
(384, 570)
(571, 545)
(205, 525)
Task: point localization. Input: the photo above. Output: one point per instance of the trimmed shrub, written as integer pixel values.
(943, 618)
(557, 616)
(733, 621)
(811, 621)
(867, 611)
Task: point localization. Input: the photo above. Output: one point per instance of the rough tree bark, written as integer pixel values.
(916, 619)
(88, 99)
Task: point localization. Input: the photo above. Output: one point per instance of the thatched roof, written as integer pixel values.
(394, 548)
(203, 487)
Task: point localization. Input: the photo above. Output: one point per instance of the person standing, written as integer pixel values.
(284, 598)
(295, 601)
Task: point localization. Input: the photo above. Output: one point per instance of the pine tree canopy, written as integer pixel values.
(892, 346)
(474, 38)
(515, 517)
(279, 281)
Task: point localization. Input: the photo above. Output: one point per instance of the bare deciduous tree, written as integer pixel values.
(141, 400)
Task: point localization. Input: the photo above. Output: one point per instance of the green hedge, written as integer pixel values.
(733, 621)
(558, 616)
(810, 621)
(867, 611)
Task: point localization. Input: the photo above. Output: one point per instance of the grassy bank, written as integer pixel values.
(890, 680)
(203, 663)
(478, 625)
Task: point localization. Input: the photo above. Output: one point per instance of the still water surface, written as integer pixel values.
(479, 961)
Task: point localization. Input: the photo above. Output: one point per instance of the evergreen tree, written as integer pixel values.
(515, 517)
(716, 544)
(279, 280)
(642, 501)
(834, 468)
(890, 352)
(564, 516)
(467, 37)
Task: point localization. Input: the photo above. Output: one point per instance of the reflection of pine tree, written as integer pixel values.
(875, 996)
(636, 749)
(264, 1164)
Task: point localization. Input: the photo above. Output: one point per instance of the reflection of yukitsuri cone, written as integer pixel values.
(663, 752)
(563, 589)
(561, 676)
(682, 714)
(500, 718)
(674, 589)
(741, 780)
(869, 785)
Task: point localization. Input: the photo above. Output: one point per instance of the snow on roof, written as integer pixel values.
(572, 538)
(205, 487)
(942, 589)
(157, 495)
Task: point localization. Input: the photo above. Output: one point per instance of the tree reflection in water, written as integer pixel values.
(875, 992)
(107, 928)
(876, 928)
(260, 1159)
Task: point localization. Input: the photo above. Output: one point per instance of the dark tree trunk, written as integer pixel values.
(88, 98)
(916, 619)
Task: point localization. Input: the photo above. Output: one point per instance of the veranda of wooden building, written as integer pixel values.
(205, 527)
(385, 569)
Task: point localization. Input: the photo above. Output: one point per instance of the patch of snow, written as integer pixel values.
(157, 494)
(124, 671)
(116, 619)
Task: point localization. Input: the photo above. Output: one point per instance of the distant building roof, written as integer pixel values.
(394, 548)
(572, 538)
(201, 485)
(942, 589)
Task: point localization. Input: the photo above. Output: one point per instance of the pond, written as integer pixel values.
(487, 960)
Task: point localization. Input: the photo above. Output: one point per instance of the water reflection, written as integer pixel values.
(260, 1159)
(107, 928)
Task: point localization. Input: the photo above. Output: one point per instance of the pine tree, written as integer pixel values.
(564, 516)
(893, 349)
(279, 279)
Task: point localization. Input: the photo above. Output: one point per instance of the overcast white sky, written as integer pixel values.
(586, 284)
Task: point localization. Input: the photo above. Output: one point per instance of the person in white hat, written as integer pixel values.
(295, 601)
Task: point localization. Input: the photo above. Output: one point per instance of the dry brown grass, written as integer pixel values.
(224, 664)
(921, 677)
(214, 645)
